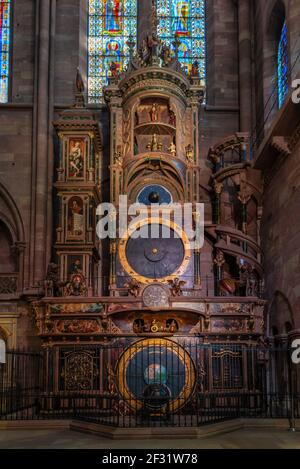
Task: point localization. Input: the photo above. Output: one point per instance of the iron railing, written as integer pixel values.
(150, 382)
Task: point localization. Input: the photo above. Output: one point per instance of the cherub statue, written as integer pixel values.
(176, 286)
(134, 287)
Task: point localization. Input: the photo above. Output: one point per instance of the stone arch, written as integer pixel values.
(8, 262)
(3, 335)
(10, 215)
(12, 239)
(281, 315)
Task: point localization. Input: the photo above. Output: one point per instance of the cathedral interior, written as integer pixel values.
(164, 102)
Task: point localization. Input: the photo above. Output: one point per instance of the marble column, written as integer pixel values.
(245, 67)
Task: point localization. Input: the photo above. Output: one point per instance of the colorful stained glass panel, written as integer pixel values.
(283, 67)
(4, 49)
(184, 19)
(111, 24)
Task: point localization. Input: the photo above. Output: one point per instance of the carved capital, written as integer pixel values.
(218, 188)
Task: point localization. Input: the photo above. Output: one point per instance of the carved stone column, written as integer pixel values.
(245, 69)
(219, 261)
(218, 188)
(40, 147)
(244, 197)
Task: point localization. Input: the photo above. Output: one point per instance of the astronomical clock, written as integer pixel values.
(148, 293)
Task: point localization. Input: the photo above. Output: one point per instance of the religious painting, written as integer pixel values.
(76, 156)
(75, 264)
(228, 325)
(75, 218)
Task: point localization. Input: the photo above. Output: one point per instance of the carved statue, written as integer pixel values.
(154, 113)
(173, 327)
(134, 287)
(165, 55)
(76, 286)
(79, 82)
(155, 144)
(252, 285)
(154, 44)
(172, 149)
(144, 52)
(189, 153)
(176, 286)
(104, 321)
(219, 260)
(195, 69)
(172, 118)
(118, 157)
(52, 282)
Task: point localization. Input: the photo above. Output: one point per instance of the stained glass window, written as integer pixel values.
(111, 24)
(4, 49)
(184, 19)
(283, 67)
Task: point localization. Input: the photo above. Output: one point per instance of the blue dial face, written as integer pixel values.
(154, 194)
(157, 257)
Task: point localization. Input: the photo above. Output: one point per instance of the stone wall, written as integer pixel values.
(281, 237)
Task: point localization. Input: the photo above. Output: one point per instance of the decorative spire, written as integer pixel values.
(154, 19)
(131, 46)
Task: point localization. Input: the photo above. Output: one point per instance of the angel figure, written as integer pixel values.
(172, 149)
(176, 286)
(134, 287)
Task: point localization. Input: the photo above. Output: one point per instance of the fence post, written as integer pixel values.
(292, 420)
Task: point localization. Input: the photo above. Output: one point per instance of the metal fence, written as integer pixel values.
(150, 382)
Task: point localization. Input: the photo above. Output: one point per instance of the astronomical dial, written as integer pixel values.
(155, 251)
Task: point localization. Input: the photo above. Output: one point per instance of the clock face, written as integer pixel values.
(155, 258)
(154, 250)
(156, 368)
(154, 194)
